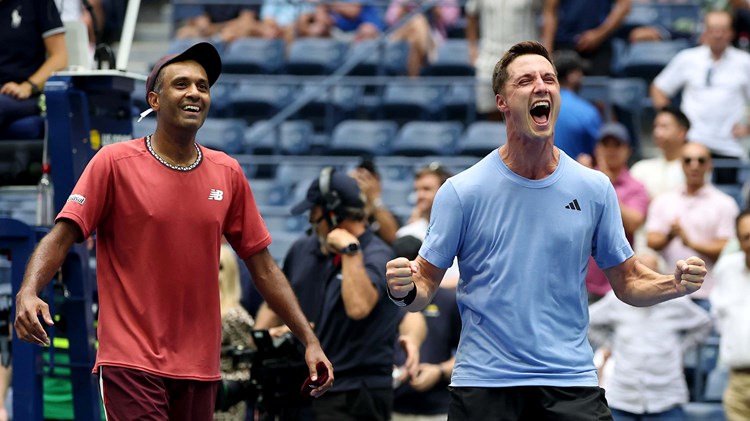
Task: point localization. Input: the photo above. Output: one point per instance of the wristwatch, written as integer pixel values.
(350, 249)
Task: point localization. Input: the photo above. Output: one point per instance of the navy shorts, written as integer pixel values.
(528, 403)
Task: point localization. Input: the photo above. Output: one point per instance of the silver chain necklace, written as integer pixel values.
(167, 164)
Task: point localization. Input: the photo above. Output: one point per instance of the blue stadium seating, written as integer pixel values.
(627, 95)
(292, 137)
(332, 105)
(179, 45)
(315, 56)
(716, 383)
(406, 101)
(460, 102)
(391, 55)
(419, 138)
(703, 411)
(222, 134)
(481, 137)
(644, 59)
(452, 60)
(31, 127)
(254, 56)
(255, 101)
(362, 137)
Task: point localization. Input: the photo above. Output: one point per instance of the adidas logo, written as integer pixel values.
(573, 205)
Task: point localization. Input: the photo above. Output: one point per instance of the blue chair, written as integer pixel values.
(452, 60)
(331, 105)
(222, 134)
(481, 137)
(144, 127)
(392, 56)
(419, 138)
(703, 411)
(253, 101)
(315, 56)
(292, 137)
(362, 137)
(596, 90)
(267, 192)
(407, 101)
(716, 383)
(179, 45)
(460, 102)
(254, 56)
(628, 96)
(644, 59)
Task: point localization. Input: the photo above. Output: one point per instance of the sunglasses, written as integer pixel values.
(689, 159)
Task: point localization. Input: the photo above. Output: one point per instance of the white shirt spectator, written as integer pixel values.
(730, 305)
(659, 175)
(715, 94)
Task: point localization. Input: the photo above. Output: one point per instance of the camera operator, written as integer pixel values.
(338, 274)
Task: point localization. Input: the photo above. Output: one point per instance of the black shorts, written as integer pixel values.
(528, 403)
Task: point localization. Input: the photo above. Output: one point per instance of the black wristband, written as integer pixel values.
(35, 90)
(406, 300)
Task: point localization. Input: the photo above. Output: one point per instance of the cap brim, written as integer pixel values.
(301, 207)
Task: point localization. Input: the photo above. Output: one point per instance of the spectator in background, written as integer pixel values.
(714, 79)
(579, 122)
(584, 26)
(236, 332)
(697, 219)
(338, 274)
(612, 153)
(33, 47)
(279, 17)
(423, 32)
(381, 219)
(425, 397)
(664, 173)
(647, 346)
(730, 300)
(348, 21)
(223, 22)
(493, 27)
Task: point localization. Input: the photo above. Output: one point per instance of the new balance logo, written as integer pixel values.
(216, 194)
(573, 205)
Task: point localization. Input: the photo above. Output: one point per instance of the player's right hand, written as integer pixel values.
(28, 309)
(399, 273)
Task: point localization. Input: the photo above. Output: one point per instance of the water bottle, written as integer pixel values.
(45, 206)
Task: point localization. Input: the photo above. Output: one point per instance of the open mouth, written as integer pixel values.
(192, 108)
(540, 111)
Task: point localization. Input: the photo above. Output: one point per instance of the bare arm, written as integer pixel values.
(639, 286)
(57, 59)
(657, 240)
(275, 288)
(412, 332)
(43, 264)
(404, 275)
(472, 36)
(549, 23)
(614, 19)
(658, 97)
(357, 291)
(632, 219)
(266, 318)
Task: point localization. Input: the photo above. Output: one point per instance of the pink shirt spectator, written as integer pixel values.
(706, 216)
(449, 11)
(633, 195)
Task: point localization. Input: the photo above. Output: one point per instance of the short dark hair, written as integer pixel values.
(745, 212)
(678, 115)
(500, 75)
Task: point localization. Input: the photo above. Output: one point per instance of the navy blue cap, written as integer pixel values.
(345, 187)
(615, 130)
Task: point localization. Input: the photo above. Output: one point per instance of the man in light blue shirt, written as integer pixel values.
(522, 223)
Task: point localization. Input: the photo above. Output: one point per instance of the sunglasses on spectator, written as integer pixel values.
(688, 159)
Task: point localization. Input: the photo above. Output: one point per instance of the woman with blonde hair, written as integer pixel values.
(236, 327)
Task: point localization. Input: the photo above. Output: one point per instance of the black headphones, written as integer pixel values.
(333, 212)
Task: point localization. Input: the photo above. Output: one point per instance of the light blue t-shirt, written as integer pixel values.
(523, 248)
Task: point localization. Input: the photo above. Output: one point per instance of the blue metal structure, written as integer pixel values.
(85, 111)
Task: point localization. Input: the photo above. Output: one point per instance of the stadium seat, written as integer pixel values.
(460, 102)
(596, 90)
(292, 137)
(403, 102)
(254, 101)
(144, 127)
(481, 137)
(267, 192)
(315, 56)
(627, 95)
(330, 105)
(703, 411)
(254, 56)
(280, 244)
(452, 59)
(419, 138)
(222, 134)
(361, 137)
(392, 56)
(716, 383)
(177, 46)
(644, 59)
(293, 173)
